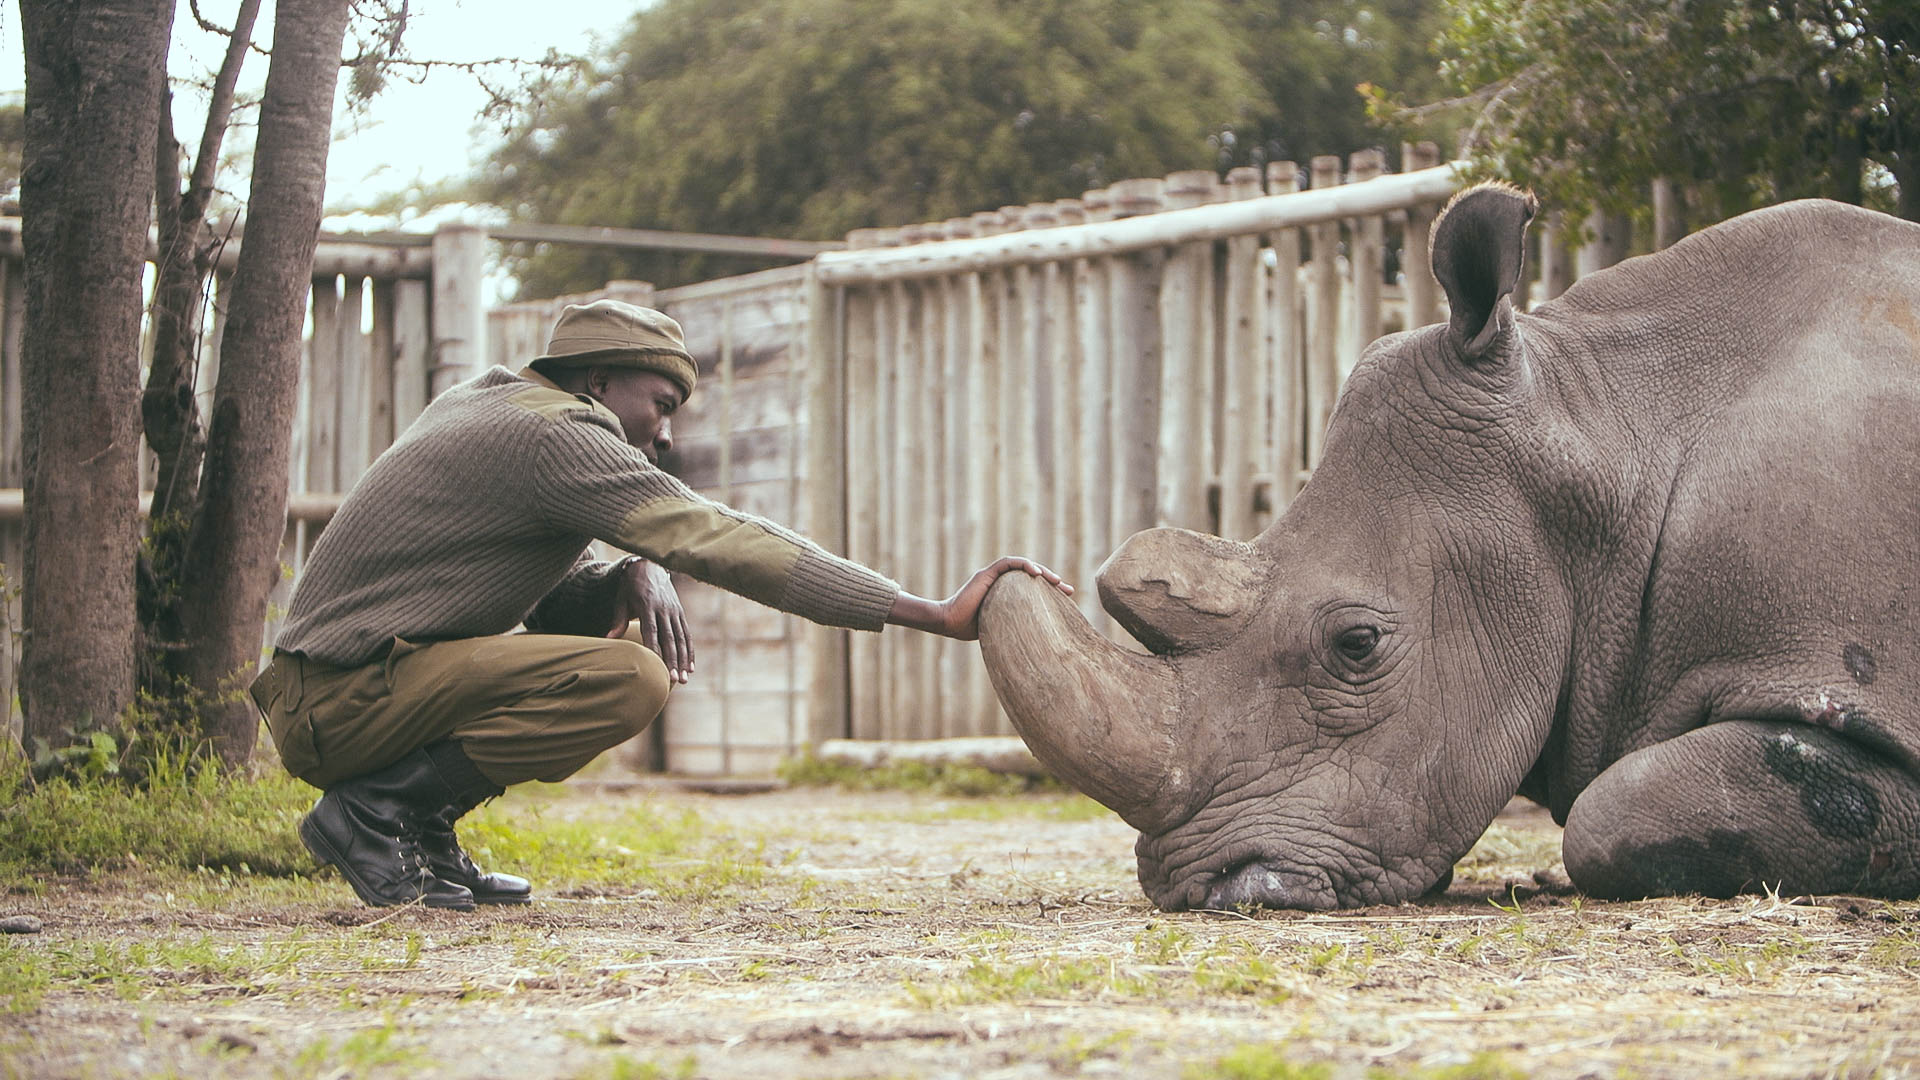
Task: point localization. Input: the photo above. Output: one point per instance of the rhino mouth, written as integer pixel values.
(1259, 882)
(1177, 878)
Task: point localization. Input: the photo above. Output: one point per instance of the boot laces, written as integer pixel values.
(413, 855)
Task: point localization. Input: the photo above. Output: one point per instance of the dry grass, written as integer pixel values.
(825, 933)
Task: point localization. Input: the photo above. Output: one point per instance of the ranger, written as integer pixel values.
(398, 685)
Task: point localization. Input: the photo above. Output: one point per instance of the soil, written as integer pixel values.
(895, 934)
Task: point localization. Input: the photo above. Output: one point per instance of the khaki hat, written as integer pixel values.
(616, 334)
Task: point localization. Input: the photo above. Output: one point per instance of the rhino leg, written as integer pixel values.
(1742, 805)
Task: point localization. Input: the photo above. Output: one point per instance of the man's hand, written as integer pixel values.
(646, 599)
(958, 616)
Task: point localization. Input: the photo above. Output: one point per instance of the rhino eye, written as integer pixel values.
(1358, 643)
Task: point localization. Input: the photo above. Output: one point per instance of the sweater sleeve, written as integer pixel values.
(591, 482)
(582, 603)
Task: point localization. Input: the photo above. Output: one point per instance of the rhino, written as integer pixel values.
(1646, 554)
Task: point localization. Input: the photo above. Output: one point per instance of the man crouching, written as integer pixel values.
(396, 686)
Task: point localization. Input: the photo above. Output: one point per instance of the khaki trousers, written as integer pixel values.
(522, 706)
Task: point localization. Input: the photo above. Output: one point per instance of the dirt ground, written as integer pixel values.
(843, 934)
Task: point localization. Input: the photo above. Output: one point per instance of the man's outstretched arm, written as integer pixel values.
(958, 616)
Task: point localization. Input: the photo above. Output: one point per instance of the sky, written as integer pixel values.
(414, 133)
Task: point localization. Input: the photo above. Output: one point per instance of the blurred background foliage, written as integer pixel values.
(1738, 103)
(809, 118)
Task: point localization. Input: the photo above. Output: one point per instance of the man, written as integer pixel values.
(396, 686)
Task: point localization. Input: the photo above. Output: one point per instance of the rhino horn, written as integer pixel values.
(1179, 591)
(1100, 717)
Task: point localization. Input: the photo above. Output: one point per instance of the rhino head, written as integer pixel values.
(1331, 714)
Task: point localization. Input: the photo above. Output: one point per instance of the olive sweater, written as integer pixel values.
(479, 516)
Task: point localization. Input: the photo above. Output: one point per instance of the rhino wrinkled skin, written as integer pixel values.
(1646, 555)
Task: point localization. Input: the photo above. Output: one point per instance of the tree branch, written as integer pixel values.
(220, 108)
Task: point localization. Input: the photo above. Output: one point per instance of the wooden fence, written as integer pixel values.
(1047, 380)
(1041, 379)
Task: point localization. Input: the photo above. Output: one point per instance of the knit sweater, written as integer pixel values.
(478, 518)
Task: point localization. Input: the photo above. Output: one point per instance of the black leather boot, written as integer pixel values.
(370, 827)
(466, 788)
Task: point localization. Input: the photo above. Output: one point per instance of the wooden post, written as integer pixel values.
(1057, 433)
(1020, 334)
(1416, 263)
(1368, 238)
(206, 372)
(412, 346)
(827, 494)
(356, 384)
(1611, 237)
(1556, 262)
(1135, 331)
(459, 314)
(380, 360)
(323, 390)
(1186, 367)
(1046, 357)
(983, 451)
(927, 325)
(1242, 399)
(864, 480)
(1668, 226)
(721, 681)
(956, 404)
(1079, 459)
(897, 361)
(1286, 366)
(1323, 287)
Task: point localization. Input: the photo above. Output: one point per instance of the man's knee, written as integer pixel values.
(634, 685)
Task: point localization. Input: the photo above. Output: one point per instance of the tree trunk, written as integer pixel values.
(94, 76)
(167, 408)
(233, 554)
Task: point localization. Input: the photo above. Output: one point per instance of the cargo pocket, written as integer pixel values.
(397, 651)
(278, 692)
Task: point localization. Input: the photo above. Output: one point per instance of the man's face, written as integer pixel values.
(645, 402)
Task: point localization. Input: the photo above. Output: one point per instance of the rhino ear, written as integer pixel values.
(1478, 250)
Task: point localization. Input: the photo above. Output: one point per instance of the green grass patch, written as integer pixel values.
(1485, 1065)
(1047, 978)
(1259, 1061)
(945, 778)
(177, 817)
(23, 977)
(210, 839)
(1504, 850)
(1254, 1061)
(618, 844)
(1042, 806)
(133, 969)
(624, 1067)
(357, 1054)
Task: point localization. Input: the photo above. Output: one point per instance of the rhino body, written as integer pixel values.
(1646, 555)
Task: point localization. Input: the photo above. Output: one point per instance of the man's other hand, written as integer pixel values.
(647, 609)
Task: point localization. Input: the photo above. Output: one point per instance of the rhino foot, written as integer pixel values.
(1746, 805)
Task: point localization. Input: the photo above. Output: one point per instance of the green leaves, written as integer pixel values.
(809, 118)
(1739, 103)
